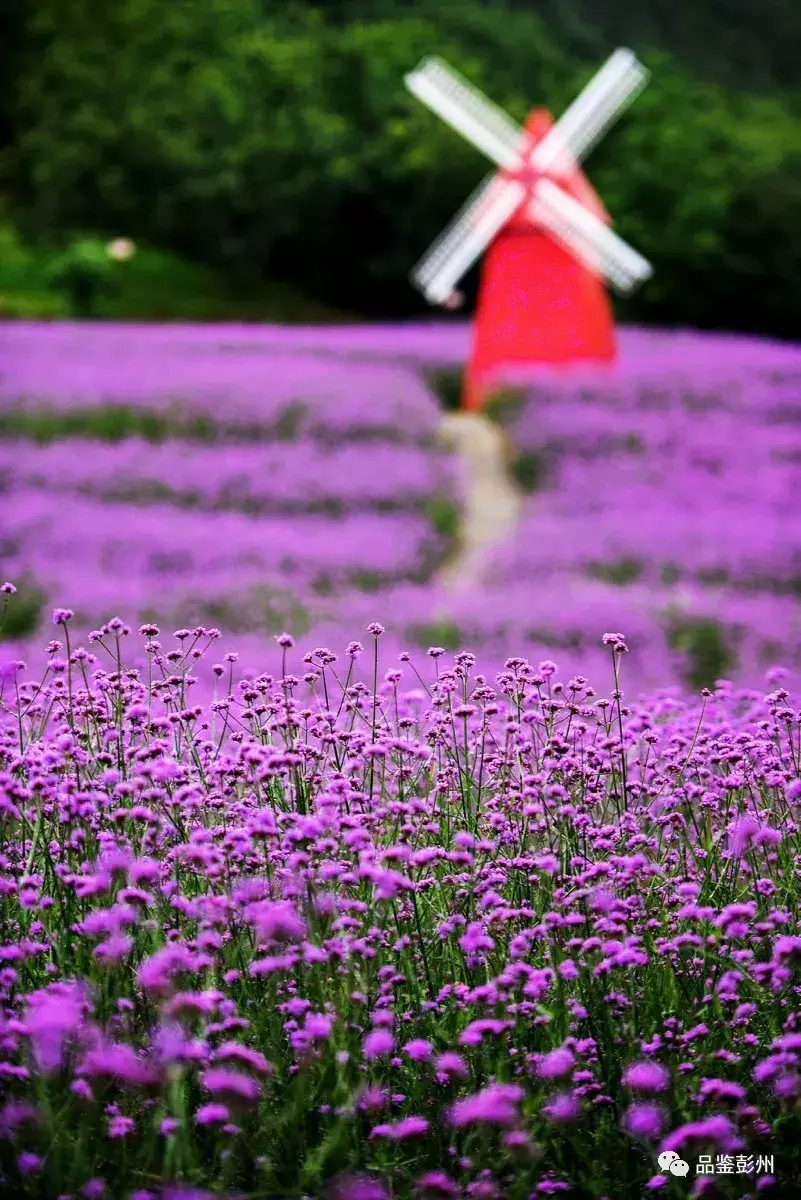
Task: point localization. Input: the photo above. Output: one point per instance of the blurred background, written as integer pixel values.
(267, 162)
(248, 431)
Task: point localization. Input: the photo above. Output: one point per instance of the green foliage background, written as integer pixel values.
(272, 140)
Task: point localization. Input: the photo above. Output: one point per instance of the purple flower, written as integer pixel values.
(120, 1126)
(232, 1087)
(646, 1077)
(562, 1108)
(156, 973)
(743, 833)
(184, 1192)
(418, 1050)
(474, 1033)
(245, 1055)
(275, 921)
(378, 1044)
(493, 1105)
(29, 1163)
(212, 1114)
(436, 1185)
(373, 1099)
(93, 1189)
(556, 1065)
(359, 1187)
(118, 1062)
(787, 949)
(53, 1017)
(722, 1091)
(398, 1131)
(717, 1131)
(451, 1065)
(644, 1121)
(475, 941)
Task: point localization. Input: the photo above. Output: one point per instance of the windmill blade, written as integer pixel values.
(467, 110)
(583, 234)
(467, 236)
(617, 83)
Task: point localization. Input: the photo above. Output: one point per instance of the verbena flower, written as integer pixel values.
(232, 1087)
(54, 1017)
(646, 1077)
(398, 1131)
(496, 1104)
(644, 1121)
(378, 1044)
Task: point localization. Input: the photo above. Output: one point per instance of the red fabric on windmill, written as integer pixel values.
(537, 302)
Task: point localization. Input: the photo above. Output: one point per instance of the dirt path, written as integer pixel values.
(492, 502)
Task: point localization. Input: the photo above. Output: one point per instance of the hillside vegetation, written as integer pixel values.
(278, 141)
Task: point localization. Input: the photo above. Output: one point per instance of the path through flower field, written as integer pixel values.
(491, 501)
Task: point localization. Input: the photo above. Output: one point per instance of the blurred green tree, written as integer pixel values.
(278, 140)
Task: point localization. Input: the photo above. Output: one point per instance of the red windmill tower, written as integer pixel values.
(542, 297)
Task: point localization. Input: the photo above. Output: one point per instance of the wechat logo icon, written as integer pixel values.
(669, 1161)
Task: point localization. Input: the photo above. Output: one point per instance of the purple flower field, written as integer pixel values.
(259, 490)
(393, 921)
(265, 479)
(424, 936)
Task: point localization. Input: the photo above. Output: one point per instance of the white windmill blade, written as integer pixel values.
(492, 196)
(467, 110)
(468, 235)
(581, 125)
(583, 234)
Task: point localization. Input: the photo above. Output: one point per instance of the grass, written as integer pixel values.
(444, 515)
(621, 573)
(446, 384)
(528, 469)
(105, 423)
(143, 492)
(115, 422)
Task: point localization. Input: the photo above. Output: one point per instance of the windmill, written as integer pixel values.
(542, 296)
